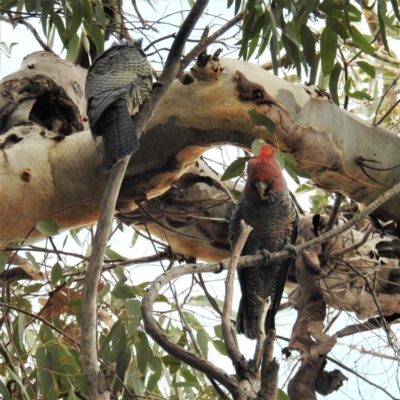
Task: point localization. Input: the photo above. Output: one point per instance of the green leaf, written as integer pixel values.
(100, 13)
(202, 301)
(141, 344)
(122, 291)
(31, 5)
(292, 53)
(123, 359)
(77, 15)
(75, 305)
(218, 331)
(336, 26)
(333, 82)
(87, 13)
(357, 94)
(360, 41)
(62, 32)
(134, 238)
(220, 346)
(113, 255)
(4, 391)
(47, 6)
(262, 120)
(8, 4)
(367, 68)
(33, 288)
(202, 340)
(329, 43)
(155, 366)
(48, 227)
(19, 382)
(309, 8)
(32, 259)
(282, 395)
(308, 43)
(56, 273)
(71, 394)
(234, 170)
(396, 8)
(256, 146)
(94, 32)
(383, 22)
(3, 260)
(172, 363)
(75, 236)
(235, 195)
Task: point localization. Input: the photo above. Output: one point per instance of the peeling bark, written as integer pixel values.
(307, 335)
(325, 140)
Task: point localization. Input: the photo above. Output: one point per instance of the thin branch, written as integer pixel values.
(36, 35)
(355, 246)
(258, 352)
(270, 370)
(211, 299)
(341, 365)
(385, 94)
(229, 338)
(211, 39)
(388, 112)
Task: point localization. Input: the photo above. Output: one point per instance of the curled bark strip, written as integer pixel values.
(308, 336)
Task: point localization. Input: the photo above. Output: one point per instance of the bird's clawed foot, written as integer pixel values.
(292, 250)
(267, 255)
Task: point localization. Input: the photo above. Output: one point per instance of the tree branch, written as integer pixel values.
(229, 338)
(93, 376)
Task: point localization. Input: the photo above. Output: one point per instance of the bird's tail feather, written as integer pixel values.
(119, 138)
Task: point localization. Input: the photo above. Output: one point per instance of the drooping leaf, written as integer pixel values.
(56, 273)
(47, 6)
(367, 68)
(336, 26)
(123, 359)
(4, 391)
(76, 20)
(48, 227)
(383, 22)
(356, 94)
(308, 43)
(202, 340)
(220, 346)
(141, 344)
(396, 8)
(234, 194)
(328, 50)
(101, 18)
(333, 82)
(155, 366)
(235, 169)
(361, 42)
(262, 120)
(75, 236)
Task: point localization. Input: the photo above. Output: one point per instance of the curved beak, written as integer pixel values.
(263, 189)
